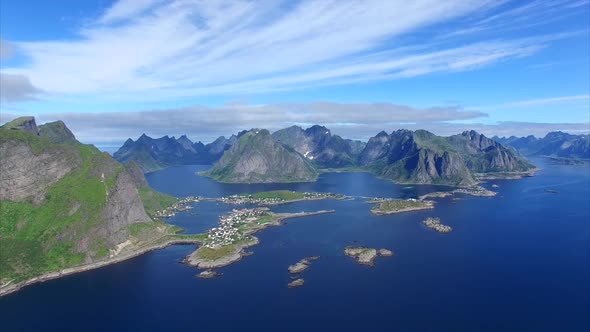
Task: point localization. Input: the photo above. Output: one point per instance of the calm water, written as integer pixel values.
(515, 262)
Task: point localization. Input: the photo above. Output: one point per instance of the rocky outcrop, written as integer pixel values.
(70, 203)
(25, 174)
(24, 123)
(57, 132)
(257, 158)
(365, 255)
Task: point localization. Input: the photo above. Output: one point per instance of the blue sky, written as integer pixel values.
(116, 69)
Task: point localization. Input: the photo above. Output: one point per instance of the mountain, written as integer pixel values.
(63, 203)
(485, 155)
(154, 154)
(554, 144)
(320, 146)
(216, 148)
(257, 157)
(415, 157)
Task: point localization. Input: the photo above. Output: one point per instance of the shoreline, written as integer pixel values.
(11, 288)
(238, 251)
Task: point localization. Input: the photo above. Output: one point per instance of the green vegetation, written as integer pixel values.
(58, 232)
(217, 253)
(18, 122)
(154, 201)
(38, 239)
(285, 195)
(390, 206)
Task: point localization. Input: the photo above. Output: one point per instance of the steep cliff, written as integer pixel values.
(62, 203)
(484, 155)
(256, 158)
(415, 157)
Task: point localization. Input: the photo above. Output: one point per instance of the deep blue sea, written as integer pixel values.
(519, 261)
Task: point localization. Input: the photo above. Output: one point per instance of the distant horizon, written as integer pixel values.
(112, 147)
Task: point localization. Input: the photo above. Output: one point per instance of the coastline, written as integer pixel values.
(238, 252)
(11, 288)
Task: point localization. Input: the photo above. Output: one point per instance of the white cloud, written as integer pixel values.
(125, 9)
(16, 88)
(542, 102)
(154, 50)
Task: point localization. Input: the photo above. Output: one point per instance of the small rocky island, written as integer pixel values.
(385, 206)
(302, 265)
(277, 197)
(365, 255)
(296, 283)
(225, 244)
(208, 274)
(435, 225)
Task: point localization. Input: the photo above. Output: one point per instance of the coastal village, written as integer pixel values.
(277, 197)
(231, 226)
(181, 205)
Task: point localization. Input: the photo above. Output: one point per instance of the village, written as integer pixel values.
(229, 230)
(276, 197)
(181, 205)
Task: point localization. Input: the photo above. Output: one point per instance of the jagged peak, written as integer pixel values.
(23, 123)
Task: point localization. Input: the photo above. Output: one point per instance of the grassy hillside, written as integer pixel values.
(47, 237)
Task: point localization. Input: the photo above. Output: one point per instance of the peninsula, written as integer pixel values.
(225, 244)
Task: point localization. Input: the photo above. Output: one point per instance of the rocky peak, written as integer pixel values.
(57, 132)
(23, 123)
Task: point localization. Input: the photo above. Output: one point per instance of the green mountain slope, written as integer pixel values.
(257, 158)
(63, 205)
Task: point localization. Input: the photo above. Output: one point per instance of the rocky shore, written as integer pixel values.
(435, 225)
(365, 255)
(208, 257)
(302, 265)
(234, 254)
(208, 274)
(296, 283)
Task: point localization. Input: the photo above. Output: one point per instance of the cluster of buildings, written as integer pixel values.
(250, 199)
(228, 231)
(180, 205)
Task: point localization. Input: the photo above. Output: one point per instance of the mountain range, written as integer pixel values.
(554, 144)
(295, 154)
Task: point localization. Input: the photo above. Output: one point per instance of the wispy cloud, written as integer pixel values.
(152, 49)
(542, 102)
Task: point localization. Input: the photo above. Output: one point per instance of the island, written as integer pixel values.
(435, 225)
(365, 255)
(385, 206)
(208, 274)
(277, 197)
(225, 244)
(472, 191)
(296, 283)
(302, 265)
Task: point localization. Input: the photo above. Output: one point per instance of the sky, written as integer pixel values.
(116, 69)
